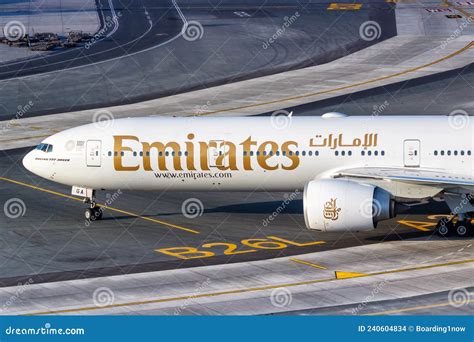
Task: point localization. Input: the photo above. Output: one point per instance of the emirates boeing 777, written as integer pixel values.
(354, 170)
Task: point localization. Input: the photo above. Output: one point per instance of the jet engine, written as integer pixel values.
(334, 205)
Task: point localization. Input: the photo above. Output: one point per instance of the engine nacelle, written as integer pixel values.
(340, 205)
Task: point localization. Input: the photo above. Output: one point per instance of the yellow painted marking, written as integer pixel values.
(244, 290)
(339, 6)
(420, 225)
(298, 244)
(308, 263)
(328, 91)
(415, 308)
(347, 275)
(100, 205)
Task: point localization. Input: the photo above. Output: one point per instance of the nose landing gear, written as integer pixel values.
(94, 212)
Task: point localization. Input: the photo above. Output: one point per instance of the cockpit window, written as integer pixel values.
(45, 147)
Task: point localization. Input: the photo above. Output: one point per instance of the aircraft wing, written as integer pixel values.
(437, 178)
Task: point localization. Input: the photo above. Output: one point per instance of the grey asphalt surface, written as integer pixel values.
(52, 241)
(438, 94)
(160, 63)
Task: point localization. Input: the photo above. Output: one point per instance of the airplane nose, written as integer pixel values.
(28, 162)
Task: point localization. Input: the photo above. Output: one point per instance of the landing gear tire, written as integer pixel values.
(89, 214)
(444, 228)
(462, 228)
(93, 214)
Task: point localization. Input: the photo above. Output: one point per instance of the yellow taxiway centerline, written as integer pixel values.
(244, 290)
(308, 263)
(170, 225)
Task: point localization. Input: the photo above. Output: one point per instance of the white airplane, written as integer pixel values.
(353, 169)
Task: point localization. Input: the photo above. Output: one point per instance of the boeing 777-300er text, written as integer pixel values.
(354, 170)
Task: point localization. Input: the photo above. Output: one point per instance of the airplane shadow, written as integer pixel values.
(293, 207)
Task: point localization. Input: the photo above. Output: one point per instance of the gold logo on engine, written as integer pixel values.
(331, 211)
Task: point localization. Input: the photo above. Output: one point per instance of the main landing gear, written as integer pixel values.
(94, 212)
(460, 225)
